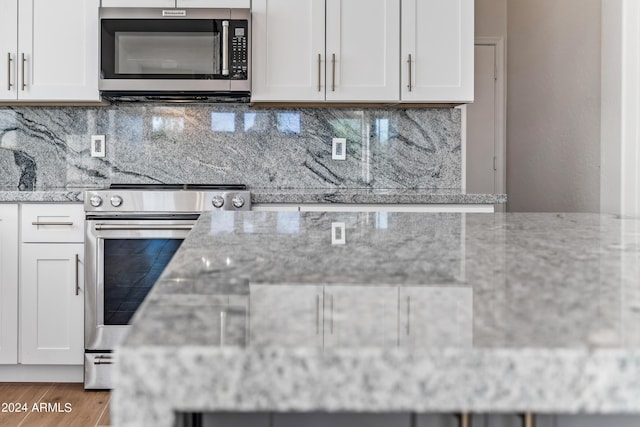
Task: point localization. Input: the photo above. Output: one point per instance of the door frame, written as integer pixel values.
(500, 114)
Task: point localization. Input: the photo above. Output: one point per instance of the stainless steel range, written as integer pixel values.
(132, 232)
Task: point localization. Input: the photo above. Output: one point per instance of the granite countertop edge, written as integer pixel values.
(291, 196)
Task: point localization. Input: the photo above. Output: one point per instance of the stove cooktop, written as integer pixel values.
(167, 198)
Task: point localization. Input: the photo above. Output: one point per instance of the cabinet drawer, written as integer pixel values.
(52, 223)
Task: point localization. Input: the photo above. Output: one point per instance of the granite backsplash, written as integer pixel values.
(387, 148)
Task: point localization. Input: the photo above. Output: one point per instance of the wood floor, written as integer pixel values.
(52, 405)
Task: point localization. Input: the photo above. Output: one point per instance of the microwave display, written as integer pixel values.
(198, 49)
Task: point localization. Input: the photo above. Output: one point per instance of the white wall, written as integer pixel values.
(553, 109)
(491, 18)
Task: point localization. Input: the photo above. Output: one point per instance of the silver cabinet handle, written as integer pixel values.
(333, 73)
(9, 60)
(225, 48)
(100, 227)
(24, 85)
(77, 274)
(103, 360)
(319, 72)
(409, 62)
(52, 223)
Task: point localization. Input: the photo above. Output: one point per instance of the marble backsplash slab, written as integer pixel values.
(49, 147)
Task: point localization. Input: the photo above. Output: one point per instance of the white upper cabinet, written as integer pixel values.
(358, 62)
(437, 36)
(8, 55)
(49, 61)
(288, 54)
(363, 50)
(360, 316)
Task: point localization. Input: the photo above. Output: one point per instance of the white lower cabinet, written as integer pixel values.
(8, 284)
(52, 304)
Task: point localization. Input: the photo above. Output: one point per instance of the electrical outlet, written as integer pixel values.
(339, 149)
(98, 146)
(338, 233)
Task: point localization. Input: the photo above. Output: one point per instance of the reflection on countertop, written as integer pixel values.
(278, 311)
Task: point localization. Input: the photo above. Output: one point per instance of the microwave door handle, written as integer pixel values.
(225, 48)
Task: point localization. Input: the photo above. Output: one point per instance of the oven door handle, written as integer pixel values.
(100, 227)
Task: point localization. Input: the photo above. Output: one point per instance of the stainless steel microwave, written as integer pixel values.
(153, 52)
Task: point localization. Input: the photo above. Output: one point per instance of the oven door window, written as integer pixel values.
(161, 49)
(131, 267)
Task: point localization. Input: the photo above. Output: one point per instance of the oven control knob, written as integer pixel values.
(95, 201)
(238, 201)
(116, 201)
(217, 201)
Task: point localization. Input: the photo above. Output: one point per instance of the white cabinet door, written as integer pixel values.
(8, 284)
(364, 38)
(288, 53)
(360, 316)
(439, 36)
(436, 316)
(272, 308)
(52, 304)
(8, 46)
(59, 42)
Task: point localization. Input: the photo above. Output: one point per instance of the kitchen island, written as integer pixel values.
(294, 312)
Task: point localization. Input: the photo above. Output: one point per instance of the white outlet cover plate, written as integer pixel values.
(98, 148)
(339, 149)
(338, 233)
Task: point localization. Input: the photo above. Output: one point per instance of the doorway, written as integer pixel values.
(486, 121)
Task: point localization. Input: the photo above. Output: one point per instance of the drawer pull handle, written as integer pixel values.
(409, 62)
(24, 85)
(103, 360)
(77, 274)
(51, 223)
(9, 85)
(333, 72)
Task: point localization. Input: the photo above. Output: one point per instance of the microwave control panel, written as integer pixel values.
(239, 63)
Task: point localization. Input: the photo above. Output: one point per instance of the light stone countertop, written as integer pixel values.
(415, 312)
(43, 196)
(371, 196)
(294, 196)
